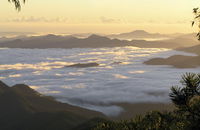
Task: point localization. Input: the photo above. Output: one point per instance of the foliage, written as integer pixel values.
(17, 3)
(196, 12)
(151, 121)
(186, 116)
(187, 99)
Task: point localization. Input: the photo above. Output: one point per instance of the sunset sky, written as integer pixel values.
(98, 16)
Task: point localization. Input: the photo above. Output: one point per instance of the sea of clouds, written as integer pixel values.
(121, 76)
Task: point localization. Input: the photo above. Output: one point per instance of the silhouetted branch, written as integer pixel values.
(17, 3)
(196, 12)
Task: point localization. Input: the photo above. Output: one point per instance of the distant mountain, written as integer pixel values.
(179, 42)
(94, 41)
(54, 41)
(84, 35)
(22, 108)
(193, 49)
(186, 40)
(189, 36)
(138, 34)
(179, 61)
(174, 42)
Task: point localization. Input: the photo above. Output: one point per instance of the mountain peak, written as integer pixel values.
(51, 35)
(94, 36)
(21, 86)
(140, 32)
(97, 37)
(3, 85)
(24, 89)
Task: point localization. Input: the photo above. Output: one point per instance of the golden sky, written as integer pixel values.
(98, 16)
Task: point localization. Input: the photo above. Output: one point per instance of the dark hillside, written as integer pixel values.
(22, 108)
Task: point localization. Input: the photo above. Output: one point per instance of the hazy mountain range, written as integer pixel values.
(138, 34)
(96, 41)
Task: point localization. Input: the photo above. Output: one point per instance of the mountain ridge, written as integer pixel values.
(23, 108)
(138, 34)
(94, 41)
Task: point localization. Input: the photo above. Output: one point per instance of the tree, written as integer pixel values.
(196, 12)
(185, 117)
(182, 97)
(187, 99)
(17, 3)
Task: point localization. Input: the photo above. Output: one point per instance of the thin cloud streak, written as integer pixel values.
(33, 19)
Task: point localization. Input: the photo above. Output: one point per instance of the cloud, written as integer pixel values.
(109, 20)
(125, 83)
(33, 19)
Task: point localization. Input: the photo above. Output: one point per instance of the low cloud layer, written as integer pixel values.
(96, 88)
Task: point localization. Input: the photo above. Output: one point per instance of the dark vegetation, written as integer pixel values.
(186, 116)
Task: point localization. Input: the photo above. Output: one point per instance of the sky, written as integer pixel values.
(98, 16)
